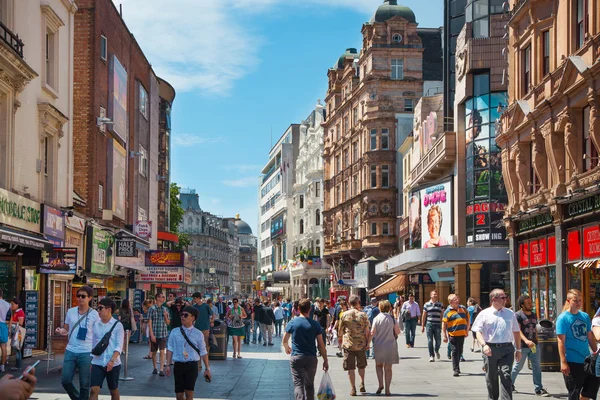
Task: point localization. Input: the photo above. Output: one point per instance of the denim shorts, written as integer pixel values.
(3, 333)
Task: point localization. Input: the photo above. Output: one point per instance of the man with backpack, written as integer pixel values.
(372, 311)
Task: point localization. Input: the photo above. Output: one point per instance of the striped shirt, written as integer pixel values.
(434, 312)
(456, 321)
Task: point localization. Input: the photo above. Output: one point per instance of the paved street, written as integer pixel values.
(263, 373)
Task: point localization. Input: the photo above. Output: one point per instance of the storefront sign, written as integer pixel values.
(23, 240)
(143, 229)
(591, 242)
(537, 252)
(574, 245)
(537, 221)
(54, 223)
(583, 206)
(126, 248)
(75, 223)
(61, 260)
(552, 250)
(31, 319)
(159, 258)
(163, 274)
(19, 212)
(403, 227)
(99, 251)
(524, 255)
(435, 214)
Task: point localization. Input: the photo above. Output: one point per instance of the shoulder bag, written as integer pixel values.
(589, 364)
(103, 343)
(189, 341)
(77, 323)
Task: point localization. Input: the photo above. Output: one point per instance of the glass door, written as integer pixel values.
(59, 303)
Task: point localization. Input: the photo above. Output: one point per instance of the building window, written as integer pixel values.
(346, 193)
(346, 158)
(533, 178)
(346, 124)
(582, 11)
(317, 189)
(385, 139)
(526, 69)
(385, 176)
(338, 231)
(338, 166)
(590, 157)
(100, 196)
(545, 53)
(301, 226)
(373, 176)
(408, 105)
(373, 139)
(397, 69)
(355, 116)
(51, 59)
(318, 217)
(354, 185)
(103, 47)
(477, 12)
(143, 162)
(355, 225)
(338, 196)
(355, 152)
(385, 228)
(337, 132)
(143, 102)
(373, 228)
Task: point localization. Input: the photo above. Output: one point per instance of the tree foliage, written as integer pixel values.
(176, 217)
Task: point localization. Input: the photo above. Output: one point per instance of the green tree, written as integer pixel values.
(176, 216)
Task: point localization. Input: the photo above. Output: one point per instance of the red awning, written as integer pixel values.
(168, 236)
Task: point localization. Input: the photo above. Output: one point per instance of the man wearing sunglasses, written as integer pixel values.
(185, 349)
(79, 324)
(497, 329)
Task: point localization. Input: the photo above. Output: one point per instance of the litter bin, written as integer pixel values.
(219, 330)
(548, 346)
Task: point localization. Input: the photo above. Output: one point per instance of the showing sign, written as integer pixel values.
(19, 212)
(54, 223)
(143, 229)
(537, 221)
(99, 251)
(61, 260)
(435, 205)
(159, 258)
(117, 104)
(163, 275)
(583, 206)
(119, 180)
(126, 248)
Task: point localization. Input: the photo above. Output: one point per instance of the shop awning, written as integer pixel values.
(139, 242)
(351, 282)
(587, 264)
(394, 284)
(282, 277)
(24, 239)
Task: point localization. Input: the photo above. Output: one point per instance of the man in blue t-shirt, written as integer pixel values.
(372, 310)
(575, 338)
(304, 331)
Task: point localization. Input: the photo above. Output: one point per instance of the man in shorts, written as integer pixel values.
(356, 330)
(158, 321)
(4, 307)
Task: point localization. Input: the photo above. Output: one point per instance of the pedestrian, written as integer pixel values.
(343, 307)
(107, 365)
(145, 328)
(4, 307)
(236, 325)
(288, 310)
(354, 325)
(279, 316)
(204, 318)
(527, 320)
(497, 329)
(175, 308)
(296, 309)
(575, 338)
(303, 363)
(158, 321)
(323, 317)
(385, 333)
(256, 317)
(185, 349)
(411, 315)
(17, 320)
(372, 311)
(266, 323)
(247, 321)
(221, 308)
(127, 318)
(171, 296)
(79, 324)
(455, 328)
(474, 310)
(432, 321)
(18, 389)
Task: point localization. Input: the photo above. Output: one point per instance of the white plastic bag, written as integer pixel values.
(334, 341)
(326, 391)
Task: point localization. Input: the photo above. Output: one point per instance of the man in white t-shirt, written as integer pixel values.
(79, 324)
(4, 307)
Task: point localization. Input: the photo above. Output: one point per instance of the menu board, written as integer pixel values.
(31, 322)
(138, 299)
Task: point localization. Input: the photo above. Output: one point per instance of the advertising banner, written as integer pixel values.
(431, 209)
(277, 227)
(19, 212)
(119, 182)
(61, 260)
(99, 251)
(163, 275)
(160, 258)
(126, 248)
(54, 223)
(143, 229)
(117, 104)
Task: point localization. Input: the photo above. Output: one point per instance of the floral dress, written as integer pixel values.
(235, 323)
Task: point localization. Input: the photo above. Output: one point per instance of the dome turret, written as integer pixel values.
(351, 52)
(243, 228)
(390, 9)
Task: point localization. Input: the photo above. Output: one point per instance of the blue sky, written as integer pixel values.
(241, 69)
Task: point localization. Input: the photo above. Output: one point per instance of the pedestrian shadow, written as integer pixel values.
(472, 374)
(411, 395)
(410, 358)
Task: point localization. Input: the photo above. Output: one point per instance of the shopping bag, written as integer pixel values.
(18, 337)
(326, 391)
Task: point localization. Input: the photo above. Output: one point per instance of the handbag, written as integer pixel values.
(394, 327)
(589, 364)
(189, 341)
(103, 343)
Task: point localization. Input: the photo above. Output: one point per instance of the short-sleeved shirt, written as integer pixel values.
(258, 313)
(496, 326)
(353, 324)
(115, 343)
(456, 321)
(159, 325)
(204, 313)
(371, 312)
(4, 307)
(304, 333)
(575, 327)
(434, 312)
(181, 349)
(75, 345)
(16, 315)
(528, 324)
(322, 317)
(278, 312)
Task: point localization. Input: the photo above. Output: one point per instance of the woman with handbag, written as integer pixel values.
(237, 329)
(385, 332)
(17, 321)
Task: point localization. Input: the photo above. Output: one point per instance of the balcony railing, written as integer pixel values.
(437, 161)
(11, 40)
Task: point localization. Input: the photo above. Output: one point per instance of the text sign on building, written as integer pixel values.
(163, 274)
(19, 212)
(143, 229)
(61, 260)
(126, 248)
(54, 223)
(537, 221)
(159, 258)
(583, 206)
(99, 249)
(433, 210)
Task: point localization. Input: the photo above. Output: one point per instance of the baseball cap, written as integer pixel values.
(373, 300)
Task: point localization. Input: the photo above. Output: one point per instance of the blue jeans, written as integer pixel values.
(535, 367)
(83, 362)
(247, 337)
(434, 331)
(18, 356)
(278, 323)
(410, 328)
(257, 329)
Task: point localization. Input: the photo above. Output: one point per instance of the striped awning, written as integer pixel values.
(394, 284)
(587, 264)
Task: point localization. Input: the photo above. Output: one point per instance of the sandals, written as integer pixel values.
(148, 358)
(353, 392)
(239, 356)
(362, 388)
(379, 390)
(234, 355)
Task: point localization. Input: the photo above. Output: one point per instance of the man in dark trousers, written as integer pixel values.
(267, 319)
(256, 317)
(222, 308)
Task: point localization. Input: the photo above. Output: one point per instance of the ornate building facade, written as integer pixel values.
(550, 139)
(247, 257)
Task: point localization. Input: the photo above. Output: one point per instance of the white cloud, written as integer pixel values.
(187, 139)
(242, 182)
(203, 44)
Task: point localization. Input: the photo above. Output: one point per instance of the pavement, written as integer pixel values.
(264, 373)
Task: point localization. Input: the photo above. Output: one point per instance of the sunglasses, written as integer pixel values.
(185, 315)
(82, 296)
(235, 302)
(502, 297)
(100, 308)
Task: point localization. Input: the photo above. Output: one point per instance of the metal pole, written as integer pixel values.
(126, 351)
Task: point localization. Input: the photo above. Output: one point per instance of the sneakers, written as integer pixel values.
(339, 354)
(514, 389)
(437, 354)
(155, 371)
(271, 344)
(456, 373)
(161, 373)
(542, 392)
(462, 359)
(265, 343)
(431, 359)
(254, 342)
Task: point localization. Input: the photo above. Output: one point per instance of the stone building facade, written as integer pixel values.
(166, 98)
(550, 138)
(247, 257)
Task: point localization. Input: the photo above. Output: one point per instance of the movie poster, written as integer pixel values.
(435, 214)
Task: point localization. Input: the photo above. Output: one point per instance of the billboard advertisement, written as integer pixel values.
(99, 251)
(117, 103)
(61, 260)
(277, 226)
(431, 210)
(160, 258)
(54, 223)
(164, 275)
(119, 180)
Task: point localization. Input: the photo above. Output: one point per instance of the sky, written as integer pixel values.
(243, 71)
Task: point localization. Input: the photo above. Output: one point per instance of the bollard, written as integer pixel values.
(126, 351)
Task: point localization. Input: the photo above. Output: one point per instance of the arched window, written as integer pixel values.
(190, 222)
(301, 226)
(318, 217)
